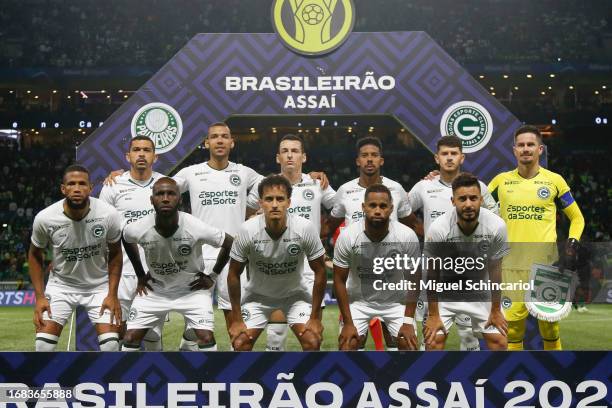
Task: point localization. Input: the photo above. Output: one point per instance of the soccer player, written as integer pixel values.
(486, 233)
(83, 234)
(307, 197)
(349, 197)
(528, 197)
(274, 245)
(433, 196)
(374, 236)
(131, 196)
(172, 241)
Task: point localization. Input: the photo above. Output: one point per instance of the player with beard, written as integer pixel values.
(172, 241)
(375, 236)
(468, 232)
(131, 196)
(275, 246)
(83, 234)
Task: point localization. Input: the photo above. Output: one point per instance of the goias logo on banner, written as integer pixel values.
(313, 27)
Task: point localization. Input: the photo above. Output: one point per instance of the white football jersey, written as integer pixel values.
(80, 250)
(276, 267)
(218, 197)
(491, 235)
(173, 261)
(350, 195)
(434, 197)
(355, 251)
(132, 198)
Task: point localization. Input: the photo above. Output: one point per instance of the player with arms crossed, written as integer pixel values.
(433, 195)
(362, 301)
(172, 241)
(349, 197)
(486, 237)
(528, 197)
(307, 197)
(275, 245)
(131, 196)
(84, 235)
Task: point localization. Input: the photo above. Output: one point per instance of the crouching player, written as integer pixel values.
(467, 232)
(362, 297)
(172, 242)
(274, 245)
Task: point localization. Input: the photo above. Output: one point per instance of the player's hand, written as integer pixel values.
(407, 338)
(114, 307)
(315, 327)
(42, 305)
(143, 284)
(497, 319)
(110, 179)
(238, 329)
(202, 281)
(321, 176)
(348, 338)
(433, 324)
(569, 258)
(432, 175)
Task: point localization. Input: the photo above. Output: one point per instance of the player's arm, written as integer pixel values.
(321, 176)
(570, 208)
(238, 327)
(415, 223)
(37, 276)
(332, 224)
(224, 254)
(433, 242)
(406, 337)
(110, 179)
(348, 334)
(115, 264)
(131, 250)
(496, 317)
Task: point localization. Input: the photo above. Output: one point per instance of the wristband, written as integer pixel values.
(408, 320)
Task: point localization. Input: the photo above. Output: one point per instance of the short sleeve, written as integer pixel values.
(342, 254)
(181, 179)
(339, 210)
(433, 242)
(487, 199)
(241, 245)
(415, 198)
(40, 238)
(404, 208)
(130, 233)
(107, 195)
(114, 227)
(207, 234)
(327, 198)
(494, 185)
(253, 199)
(499, 247)
(313, 248)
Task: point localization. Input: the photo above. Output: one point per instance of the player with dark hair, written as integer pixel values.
(528, 197)
(275, 245)
(486, 238)
(360, 299)
(172, 241)
(83, 234)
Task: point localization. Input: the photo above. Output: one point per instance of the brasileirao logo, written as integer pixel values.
(471, 122)
(159, 122)
(313, 27)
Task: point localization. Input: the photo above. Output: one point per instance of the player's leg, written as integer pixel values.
(479, 314)
(298, 312)
(223, 300)
(421, 319)
(390, 339)
(189, 339)
(61, 305)
(393, 318)
(153, 338)
(197, 309)
(277, 331)
(108, 334)
(551, 337)
(146, 313)
(468, 342)
(447, 311)
(515, 311)
(361, 320)
(256, 311)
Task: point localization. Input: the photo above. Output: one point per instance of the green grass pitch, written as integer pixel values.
(585, 331)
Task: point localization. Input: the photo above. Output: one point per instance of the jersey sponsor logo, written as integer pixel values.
(435, 214)
(313, 27)
(544, 193)
(134, 215)
(225, 197)
(511, 182)
(525, 212)
(357, 215)
(235, 180)
(159, 122)
(302, 211)
(78, 254)
(277, 268)
(98, 230)
(471, 122)
(308, 194)
(132, 315)
(184, 250)
(293, 249)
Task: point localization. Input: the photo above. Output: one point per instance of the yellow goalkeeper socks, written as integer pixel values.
(550, 335)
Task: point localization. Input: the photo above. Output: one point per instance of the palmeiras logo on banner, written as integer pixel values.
(471, 122)
(313, 27)
(159, 122)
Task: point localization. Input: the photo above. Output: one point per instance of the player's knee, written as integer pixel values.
(437, 344)
(46, 342)
(242, 344)
(109, 341)
(152, 336)
(309, 342)
(549, 330)
(205, 336)
(516, 331)
(497, 342)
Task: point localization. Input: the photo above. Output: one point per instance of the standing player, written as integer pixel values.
(434, 196)
(131, 196)
(172, 241)
(528, 196)
(83, 234)
(349, 197)
(374, 236)
(307, 197)
(487, 237)
(274, 245)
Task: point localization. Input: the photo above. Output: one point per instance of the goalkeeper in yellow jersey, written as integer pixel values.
(528, 197)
